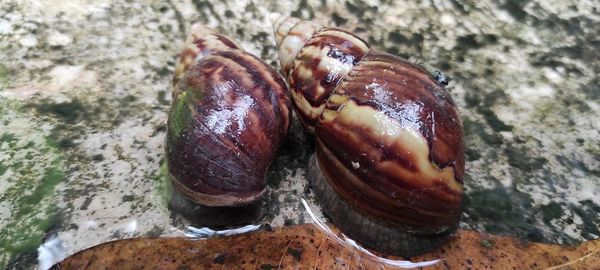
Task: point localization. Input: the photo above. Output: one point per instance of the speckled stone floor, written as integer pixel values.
(84, 91)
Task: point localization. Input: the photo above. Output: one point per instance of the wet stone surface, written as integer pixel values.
(85, 90)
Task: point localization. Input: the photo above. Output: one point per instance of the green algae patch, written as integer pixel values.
(162, 184)
(4, 76)
(31, 168)
(180, 114)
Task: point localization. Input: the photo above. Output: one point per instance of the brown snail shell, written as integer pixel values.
(390, 153)
(230, 113)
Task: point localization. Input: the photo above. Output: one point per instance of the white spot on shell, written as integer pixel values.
(355, 165)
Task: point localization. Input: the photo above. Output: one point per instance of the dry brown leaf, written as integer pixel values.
(306, 247)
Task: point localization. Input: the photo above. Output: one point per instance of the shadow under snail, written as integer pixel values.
(389, 162)
(229, 115)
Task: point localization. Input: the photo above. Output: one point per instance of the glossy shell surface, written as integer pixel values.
(229, 115)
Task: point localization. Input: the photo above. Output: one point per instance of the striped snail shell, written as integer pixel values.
(229, 115)
(390, 153)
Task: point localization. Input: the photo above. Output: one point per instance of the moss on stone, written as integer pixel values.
(162, 184)
(32, 216)
(4, 76)
(31, 168)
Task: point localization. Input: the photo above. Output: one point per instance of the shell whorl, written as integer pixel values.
(315, 59)
(201, 42)
(281, 26)
(291, 35)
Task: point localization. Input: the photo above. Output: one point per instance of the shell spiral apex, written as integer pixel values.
(390, 150)
(291, 34)
(201, 42)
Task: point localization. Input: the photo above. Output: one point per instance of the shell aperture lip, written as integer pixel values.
(200, 43)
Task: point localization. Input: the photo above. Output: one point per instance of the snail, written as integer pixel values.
(230, 113)
(389, 162)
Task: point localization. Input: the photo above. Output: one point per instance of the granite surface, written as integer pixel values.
(84, 95)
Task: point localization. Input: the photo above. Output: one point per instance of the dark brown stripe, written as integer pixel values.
(194, 127)
(272, 86)
(211, 163)
(304, 118)
(405, 86)
(369, 152)
(227, 42)
(291, 32)
(404, 210)
(203, 45)
(256, 87)
(340, 50)
(209, 169)
(258, 138)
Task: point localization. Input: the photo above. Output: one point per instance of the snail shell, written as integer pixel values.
(390, 153)
(230, 113)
